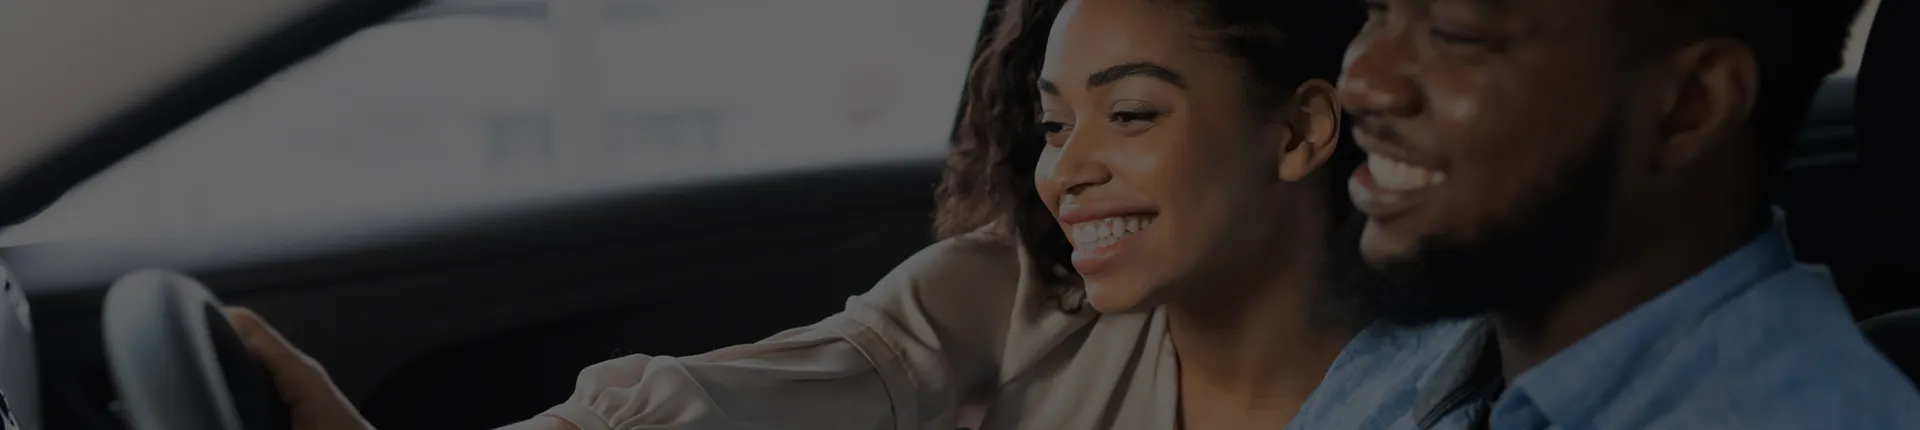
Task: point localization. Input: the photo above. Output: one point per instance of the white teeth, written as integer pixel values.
(1106, 231)
(1397, 176)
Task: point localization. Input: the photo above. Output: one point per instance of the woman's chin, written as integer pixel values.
(1118, 298)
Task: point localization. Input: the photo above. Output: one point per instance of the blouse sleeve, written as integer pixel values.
(900, 356)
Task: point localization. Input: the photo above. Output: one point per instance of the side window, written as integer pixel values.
(468, 102)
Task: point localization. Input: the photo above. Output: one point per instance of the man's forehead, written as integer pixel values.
(1585, 20)
(1495, 5)
(1582, 9)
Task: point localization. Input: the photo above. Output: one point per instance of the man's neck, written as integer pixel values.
(1630, 273)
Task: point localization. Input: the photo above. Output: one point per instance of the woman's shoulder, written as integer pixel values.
(967, 274)
(977, 295)
(978, 253)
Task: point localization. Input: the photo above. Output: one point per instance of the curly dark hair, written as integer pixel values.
(989, 176)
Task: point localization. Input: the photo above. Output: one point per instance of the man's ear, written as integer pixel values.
(1313, 121)
(1716, 83)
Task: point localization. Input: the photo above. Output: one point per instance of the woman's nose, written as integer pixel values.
(1078, 164)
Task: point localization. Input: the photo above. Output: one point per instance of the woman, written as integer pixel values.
(1173, 164)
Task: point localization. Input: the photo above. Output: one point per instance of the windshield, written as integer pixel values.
(477, 102)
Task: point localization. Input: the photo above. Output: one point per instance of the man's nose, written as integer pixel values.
(1377, 80)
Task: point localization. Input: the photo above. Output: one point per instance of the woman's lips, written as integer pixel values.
(1098, 242)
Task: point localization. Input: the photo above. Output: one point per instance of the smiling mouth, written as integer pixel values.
(1394, 175)
(1105, 232)
(1385, 187)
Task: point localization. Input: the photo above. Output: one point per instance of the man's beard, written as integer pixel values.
(1526, 260)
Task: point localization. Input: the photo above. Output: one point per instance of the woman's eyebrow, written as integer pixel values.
(1139, 68)
(1117, 72)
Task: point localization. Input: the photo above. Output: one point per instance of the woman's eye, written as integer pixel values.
(1128, 117)
(1055, 133)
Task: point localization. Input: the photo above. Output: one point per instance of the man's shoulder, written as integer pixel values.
(1793, 390)
(1799, 383)
(1784, 354)
(1795, 314)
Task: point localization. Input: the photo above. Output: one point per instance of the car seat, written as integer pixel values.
(1886, 95)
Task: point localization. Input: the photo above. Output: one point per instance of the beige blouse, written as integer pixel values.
(961, 327)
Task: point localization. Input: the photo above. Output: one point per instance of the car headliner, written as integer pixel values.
(93, 81)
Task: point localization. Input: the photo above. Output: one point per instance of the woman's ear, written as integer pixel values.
(1313, 121)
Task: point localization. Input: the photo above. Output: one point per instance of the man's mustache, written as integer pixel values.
(1375, 128)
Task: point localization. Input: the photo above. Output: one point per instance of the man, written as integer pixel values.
(1591, 176)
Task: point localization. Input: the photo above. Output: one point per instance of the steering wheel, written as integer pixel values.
(179, 364)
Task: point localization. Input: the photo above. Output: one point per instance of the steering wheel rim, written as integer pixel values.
(177, 362)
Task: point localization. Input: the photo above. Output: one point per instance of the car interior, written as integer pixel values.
(1883, 272)
(483, 319)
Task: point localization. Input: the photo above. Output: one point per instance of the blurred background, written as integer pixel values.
(482, 102)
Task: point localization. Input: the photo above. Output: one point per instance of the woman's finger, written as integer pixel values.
(316, 404)
(296, 374)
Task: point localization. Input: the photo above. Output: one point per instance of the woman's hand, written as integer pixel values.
(312, 400)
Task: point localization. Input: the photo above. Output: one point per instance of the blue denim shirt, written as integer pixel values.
(1371, 385)
(1756, 341)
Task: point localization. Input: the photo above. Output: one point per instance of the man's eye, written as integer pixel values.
(1451, 37)
(1465, 39)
